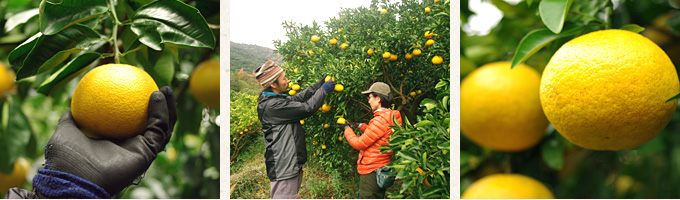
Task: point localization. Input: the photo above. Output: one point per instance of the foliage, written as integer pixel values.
(530, 32)
(244, 82)
(422, 150)
(249, 57)
(400, 30)
(245, 125)
(53, 43)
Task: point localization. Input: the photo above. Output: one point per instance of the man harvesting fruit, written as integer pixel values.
(371, 162)
(284, 138)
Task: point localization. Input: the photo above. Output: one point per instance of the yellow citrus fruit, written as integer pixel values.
(339, 88)
(205, 83)
(419, 92)
(325, 108)
(323, 146)
(341, 120)
(311, 53)
(413, 94)
(6, 79)
(246, 130)
(386, 55)
(340, 30)
(315, 38)
(436, 1)
(302, 121)
(427, 9)
(437, 60)
(171, 154)
(408, 56)
(290, 84)
(15, 179)
(315, 143)
(507, 186)
(393, 57)
(296, 87)
(429, 42)
(416, 52)
(329, 78)
(111, 101)
(333, 41)
(506, 98)
(326, 126)
(370, 52)
(429, 34)
(295, 70)
(410, 72)
(607, 90)
(292, 92)
(344, 46)
(340, 138)
(383, 11)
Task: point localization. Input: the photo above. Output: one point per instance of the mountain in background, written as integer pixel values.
(249, 57)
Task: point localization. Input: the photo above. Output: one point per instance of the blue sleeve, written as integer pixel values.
(56, 184)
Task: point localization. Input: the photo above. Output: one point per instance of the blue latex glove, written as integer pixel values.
(329, 86)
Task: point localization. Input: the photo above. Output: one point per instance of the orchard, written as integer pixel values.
(46, 49)
(571, 99)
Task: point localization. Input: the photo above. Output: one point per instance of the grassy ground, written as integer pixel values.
(249, 178)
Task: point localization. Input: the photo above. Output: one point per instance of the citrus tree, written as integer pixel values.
(50, 44)
(559, 39)
(404, 44)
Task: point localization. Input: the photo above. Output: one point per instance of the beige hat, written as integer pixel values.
(379, 88)
(267, 73)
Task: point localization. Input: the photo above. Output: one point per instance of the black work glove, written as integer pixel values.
(353, 124)
(112, 165)
(328, 86)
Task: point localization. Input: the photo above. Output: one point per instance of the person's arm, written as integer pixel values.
(285, 111)
(308, 92)
(372, 133)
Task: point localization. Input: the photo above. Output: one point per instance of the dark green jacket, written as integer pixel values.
(284, 138)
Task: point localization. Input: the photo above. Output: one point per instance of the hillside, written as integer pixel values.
(249, 57)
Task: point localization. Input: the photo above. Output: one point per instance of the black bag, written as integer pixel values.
(384, 177)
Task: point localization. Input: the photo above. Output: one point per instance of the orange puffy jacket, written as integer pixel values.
(376, 134)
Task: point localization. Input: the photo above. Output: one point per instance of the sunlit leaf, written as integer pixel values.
(56, 16)
(553, 13)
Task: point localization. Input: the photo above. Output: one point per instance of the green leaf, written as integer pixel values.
(431, 191)
(633, 28)
(428, 103)
(407, 155)
(20, 18)
(424, 123)
(15, 133)
(68, 72)
(164, 69)
(444, 146)
(174, 22)
(537, 39)
(552, 153)
(56, 16)
(553, 13)
(17, 56)
(52, 50)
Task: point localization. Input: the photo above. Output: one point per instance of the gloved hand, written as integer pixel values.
(328, 86)
(111, 165)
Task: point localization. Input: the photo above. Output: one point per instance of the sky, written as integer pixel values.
(259, 22)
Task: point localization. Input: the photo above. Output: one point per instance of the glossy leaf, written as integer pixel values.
(407, 155)
(56, 16)
(552, 153)
(15, 133)
(52, 50)
(553, 13)
(174, 22)
(17, 56)
(68, 72)
(633, 28)
(537, 39)
(20, 18)
(164, 69)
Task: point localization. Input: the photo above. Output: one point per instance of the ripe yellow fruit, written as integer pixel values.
(246, 130)
(344, 46)
(296, 87)
(437, 60)
(290, 84)
(410, 72)
(436, 1)
(383, 11)
(393, 57)
(408, 56)
(311, 53)
(340, 138)
(428, 34)
(416, 52)
(370, 52)
(419, 92)
(205, 83)
(340, 30)
(607, 90)
(325, 108)
(323, 146)
(429, 42)
(507, 186)
(339, 88)
(507, 99)
(413, 94)
(302, 122)
(15, 179)
(315, 143)
(427, 9)
(333, 41)
(329, 78)
(6, 79)
(386, 55)
(111, 101)
(292, 92)
(295, 70)
(341, 120)
(326, 126)
(171, 154)
(315, 38)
